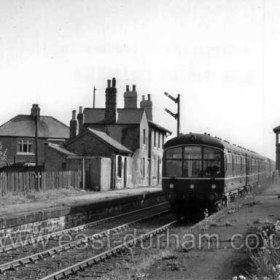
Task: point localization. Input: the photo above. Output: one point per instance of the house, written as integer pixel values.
(132, 127)
(17, 136)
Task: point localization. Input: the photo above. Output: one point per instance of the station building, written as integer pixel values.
(127, 136)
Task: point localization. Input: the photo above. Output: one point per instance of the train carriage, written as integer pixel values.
(205, 172)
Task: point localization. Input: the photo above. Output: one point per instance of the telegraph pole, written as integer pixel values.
(177, 115)
(94, 90)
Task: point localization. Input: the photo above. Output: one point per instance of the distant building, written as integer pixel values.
(133, 128)
(18, 136)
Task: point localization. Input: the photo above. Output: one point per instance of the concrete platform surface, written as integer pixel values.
(74, 201)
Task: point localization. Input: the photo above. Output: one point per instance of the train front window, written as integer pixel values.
(212, 162)
(192, 163)
(173, 162)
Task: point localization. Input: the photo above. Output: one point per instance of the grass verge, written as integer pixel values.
(51, 195)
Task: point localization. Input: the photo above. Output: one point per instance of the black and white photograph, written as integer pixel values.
(140, 140)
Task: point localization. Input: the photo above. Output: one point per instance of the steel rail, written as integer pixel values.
(72, 270)
(56, 234)
(107, 254)
(65, 247)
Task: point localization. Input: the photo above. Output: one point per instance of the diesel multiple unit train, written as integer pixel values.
(207, 172)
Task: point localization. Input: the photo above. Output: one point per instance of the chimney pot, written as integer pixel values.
(127, 88)
(108, 83)
(73, 114)
(134, 88)
(114, 83)
(80, 110)
(143, 97)
(149, 97)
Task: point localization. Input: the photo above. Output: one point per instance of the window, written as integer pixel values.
(24, 146)
(173, 162)
(158, 140)
(212, 161)
(143, 167)
(144, 136)
(155, 138)
(155, 165)
(192, 165)
(119, 166)
(229, 164)
(193, 161)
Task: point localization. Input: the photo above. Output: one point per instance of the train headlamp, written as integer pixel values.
(191, 186)
(171, 186)
(213, 187)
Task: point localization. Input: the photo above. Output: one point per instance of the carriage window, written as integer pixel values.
(173, 163)
(192, 152)
(175, 153)
(173, 168)
(229, 165)
(212, 162)
(192, 165)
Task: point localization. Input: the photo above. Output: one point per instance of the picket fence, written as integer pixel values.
(19, 182)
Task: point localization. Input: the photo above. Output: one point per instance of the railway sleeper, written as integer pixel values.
(24, 262)
(83, 266)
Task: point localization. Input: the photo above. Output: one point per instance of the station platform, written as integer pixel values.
(74, 210)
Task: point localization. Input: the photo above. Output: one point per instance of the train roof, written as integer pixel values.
(206, 139)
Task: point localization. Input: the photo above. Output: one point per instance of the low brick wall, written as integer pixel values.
(54, 219)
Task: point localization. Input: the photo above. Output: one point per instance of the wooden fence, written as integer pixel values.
(17, 182)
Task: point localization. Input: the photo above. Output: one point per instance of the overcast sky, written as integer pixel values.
(222, 56)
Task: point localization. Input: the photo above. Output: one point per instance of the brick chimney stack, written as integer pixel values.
(80, 118)
(35, 111)
(35, 115)
(111, 102)
(130, 98)
(147, 105)
(73, 125)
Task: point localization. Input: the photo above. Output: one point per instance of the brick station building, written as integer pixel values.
(128, 136)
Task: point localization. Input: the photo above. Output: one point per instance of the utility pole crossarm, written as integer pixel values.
(172, 114)
(171, 97)
(176, 116)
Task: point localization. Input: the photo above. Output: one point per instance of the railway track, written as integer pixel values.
(78, 268)
(17, 260)
(105, 261)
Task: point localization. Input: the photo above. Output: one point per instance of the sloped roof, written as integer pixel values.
(61, 149)
(130, 116)
(94, 115)
(110, 141)
(24, 126)
(125, 116)
(158, 127)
